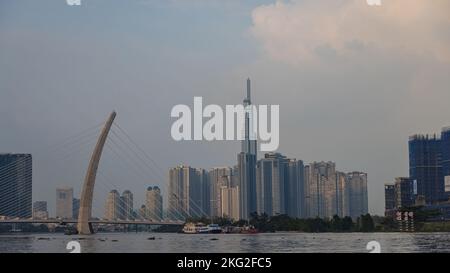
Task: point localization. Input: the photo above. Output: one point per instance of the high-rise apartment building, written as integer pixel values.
(389, 198)
(295, 189)
(154, 204)
(188, 193)
(16, 185)
(64, 203)
(178, 194)
(218, 178)
(112, 207)
(404, 192)
(200, 192)
(400, 194)
(126, 205)
(445, 139)
(270, 184)
(321, 189)
(330, 192)
(342, 197)
(356, 194)
(40, 210)
(229, 206)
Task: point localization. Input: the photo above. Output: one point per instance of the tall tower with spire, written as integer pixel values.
(249, 142)
(247, 162)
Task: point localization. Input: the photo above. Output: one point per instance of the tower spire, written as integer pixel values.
(247, 100)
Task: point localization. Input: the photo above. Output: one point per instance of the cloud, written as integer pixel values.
(298, 31)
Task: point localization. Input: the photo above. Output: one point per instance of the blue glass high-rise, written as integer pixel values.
(425, 167)
(16, 185)
(445, 141)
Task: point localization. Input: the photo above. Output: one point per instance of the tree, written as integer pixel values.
(366, 223)
(336, 224)
(347, 224)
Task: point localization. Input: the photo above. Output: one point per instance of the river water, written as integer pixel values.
(228, 243)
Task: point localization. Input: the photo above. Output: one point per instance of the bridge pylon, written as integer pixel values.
(87, 193)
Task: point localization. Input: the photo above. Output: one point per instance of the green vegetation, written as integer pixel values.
(282, 222)
(364, 223)
(435, 227)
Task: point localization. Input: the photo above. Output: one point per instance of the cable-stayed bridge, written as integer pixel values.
(126, 151)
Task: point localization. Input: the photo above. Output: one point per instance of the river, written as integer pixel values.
(227, 243)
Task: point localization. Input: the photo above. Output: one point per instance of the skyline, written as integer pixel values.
(353, 100)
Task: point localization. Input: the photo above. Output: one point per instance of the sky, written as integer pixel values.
(353, 82)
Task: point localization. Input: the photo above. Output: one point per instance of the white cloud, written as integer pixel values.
(298, 31)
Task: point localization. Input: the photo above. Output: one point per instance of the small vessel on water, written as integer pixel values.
(249, 230)
(200, 228)
(214, 228)
(191, 228)
(203, 229)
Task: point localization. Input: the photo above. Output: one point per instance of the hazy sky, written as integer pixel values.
(352, 81)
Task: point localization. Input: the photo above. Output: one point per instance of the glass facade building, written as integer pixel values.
(404, 192)
(16, 185)
(445, 140)
(270, 184)
(389, 197)
(425, 167)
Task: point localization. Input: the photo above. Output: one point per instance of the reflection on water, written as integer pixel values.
(230, 243)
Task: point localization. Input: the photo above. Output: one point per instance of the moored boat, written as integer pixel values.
(200, 228)
(214, 228)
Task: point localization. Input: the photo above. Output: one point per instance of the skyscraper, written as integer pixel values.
(321, 189)
(229, 197)
(178, 194)
(341, 196)
(203, 194)
(16, 185)
(425, 166)
(445, 139)
(389, 198)
(247, 162)
(185, 195)
(404, 192)
(330, 192)
(295, 189)
(112, 207)
(40, 210)
(218, 178)
(154, 204)
(64, 203)
(270, 184)
(75, 208)
(356, 194)
(126, 205)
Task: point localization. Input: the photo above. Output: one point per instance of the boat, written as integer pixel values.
(191, 228)
(249, 230)
(16, 230)
(200, 228)
(214, 228)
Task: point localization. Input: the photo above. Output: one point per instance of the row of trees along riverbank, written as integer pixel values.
(364, 223)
